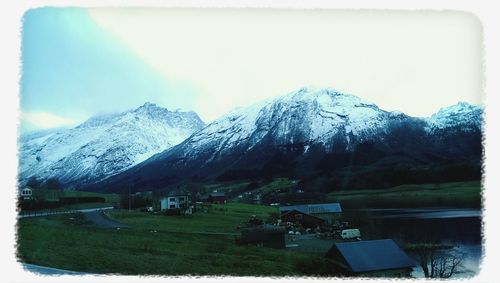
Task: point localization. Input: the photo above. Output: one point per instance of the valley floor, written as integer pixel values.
(199, 244)
(204, 243)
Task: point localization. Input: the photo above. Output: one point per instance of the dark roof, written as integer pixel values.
(314, 208)
(176, 193)
(373, 255)
(217, 194)
(296, 211)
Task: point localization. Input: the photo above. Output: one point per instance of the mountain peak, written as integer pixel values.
(148, 106)
(314, 91)
(459, 108)
(461, 113)
(105, 144)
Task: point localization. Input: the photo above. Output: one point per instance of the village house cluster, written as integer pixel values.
(314, 227)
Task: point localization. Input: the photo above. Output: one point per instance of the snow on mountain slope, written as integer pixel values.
(104, 145)
(298, 132)
(461, 115)
(308, 116)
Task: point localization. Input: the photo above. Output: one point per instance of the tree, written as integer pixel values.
(33, 183)
(53, 184)
(438, 261)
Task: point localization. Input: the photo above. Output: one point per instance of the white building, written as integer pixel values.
(26, 193)
(176, 200)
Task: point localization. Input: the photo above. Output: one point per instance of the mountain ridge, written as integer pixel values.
(104, 144)
(295, 133)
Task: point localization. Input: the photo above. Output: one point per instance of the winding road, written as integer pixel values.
(102, 221)
(49, 270)
(47, 213)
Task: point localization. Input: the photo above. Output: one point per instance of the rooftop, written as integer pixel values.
(313, 208)
(217, 194)
(372, 255)
(177, 192)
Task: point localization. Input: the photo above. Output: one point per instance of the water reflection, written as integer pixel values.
(458, 227)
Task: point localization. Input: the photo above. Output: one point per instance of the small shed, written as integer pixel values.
(304, 219)
(270, 237)
(326, 211)
(377, 258)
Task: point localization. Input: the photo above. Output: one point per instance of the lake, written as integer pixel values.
(458, 227)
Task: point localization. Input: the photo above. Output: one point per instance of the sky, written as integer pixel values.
(79, 62)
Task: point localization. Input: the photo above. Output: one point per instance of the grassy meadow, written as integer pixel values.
(199, 244)
(202, 243)
(459, 195)
(217, 218)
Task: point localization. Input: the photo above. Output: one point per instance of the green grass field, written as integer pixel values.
(218, 218)
(277, 184)
(225, 187)
(176, 247)
(460, 194)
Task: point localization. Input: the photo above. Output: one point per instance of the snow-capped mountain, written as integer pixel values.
(103, 145)
(463, 115)
(308, 117)
(296, 134)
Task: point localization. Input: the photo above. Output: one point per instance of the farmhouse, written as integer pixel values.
(304, 219)
(175, 200)
(216, 197)
(326, 211)
(375, 258)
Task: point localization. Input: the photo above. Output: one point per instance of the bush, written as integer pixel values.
(26, 205)
(52, 184)
(73, 200)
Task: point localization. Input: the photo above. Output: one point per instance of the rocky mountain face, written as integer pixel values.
(104, 145)
(311, 133)
(461, 116)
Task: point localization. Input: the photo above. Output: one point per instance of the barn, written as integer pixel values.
(305, 220)
(217, 197)
(326, 211)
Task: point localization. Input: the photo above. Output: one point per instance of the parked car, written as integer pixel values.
(147, 209)
(350, 234)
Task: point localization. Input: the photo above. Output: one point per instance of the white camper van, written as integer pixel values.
(350, 234)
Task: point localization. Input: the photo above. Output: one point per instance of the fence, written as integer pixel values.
(45, 212)
(35, 213)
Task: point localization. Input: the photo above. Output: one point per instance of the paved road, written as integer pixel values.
(102, 221)
(49, 270)
(96, 215)
(47, 213)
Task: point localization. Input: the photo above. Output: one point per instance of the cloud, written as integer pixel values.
(415, 62)
(43, 120)
(75, 69)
